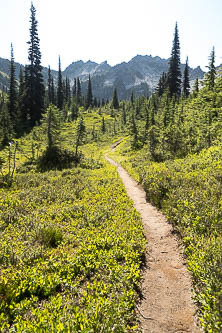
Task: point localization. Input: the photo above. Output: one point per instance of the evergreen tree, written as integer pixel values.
(211, 75)
(115, 101)
(162, 84)
(6, 130)
(196, 87)
(53, 95)
(13, 93)
(22, 121)
(89, 96)
(174, 72)
(132, 98)
(49, 86)
(186, 80)
(51, 122)
(134, 131)
(103, 125)
(67, 91)
(34, 79)
(74, 91)
(60, 91)
(80, 133)
(79, 92)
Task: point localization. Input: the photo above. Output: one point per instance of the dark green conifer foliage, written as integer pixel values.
(132, 98)
(95, 103)
(80, 133)
(74, 89)
(34, 80)
(60, 91)
(162, 84)
(53, 95)
(103, 125)
(124, 115)
(89, 96)
(134, 131)
(211, 75)
(186, 80)
(79, 92)
(67, 91)
(49, 86)
(196, 87)
(51, 122)
(115, 101)
(6, 130)
(13, 93)
(174, 72)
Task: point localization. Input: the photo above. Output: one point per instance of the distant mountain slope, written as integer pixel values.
(140, 74)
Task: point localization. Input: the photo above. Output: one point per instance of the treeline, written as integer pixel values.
(176, 120)
(24, 104)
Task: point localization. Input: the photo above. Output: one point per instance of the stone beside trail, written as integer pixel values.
(166, 304)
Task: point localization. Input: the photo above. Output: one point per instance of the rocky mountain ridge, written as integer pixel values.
(140, 74)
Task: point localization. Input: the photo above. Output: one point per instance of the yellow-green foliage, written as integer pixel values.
(70, 252)
(189, 192)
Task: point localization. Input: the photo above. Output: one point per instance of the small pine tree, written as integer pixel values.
(196, 87)
(79, 92)
(211, 75)
(115, 101)
(13, 93)
(103, 125)
(49, 86)
(80, 133)
(89, 96)
(74, 90)
(132, 98)
(51, 121)
(6, 129)
(186, 80)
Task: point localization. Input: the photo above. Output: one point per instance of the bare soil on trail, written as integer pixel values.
(166, 304)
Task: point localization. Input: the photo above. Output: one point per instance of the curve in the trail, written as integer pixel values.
(166, 304)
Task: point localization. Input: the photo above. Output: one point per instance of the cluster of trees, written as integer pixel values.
(176, 121)
(23, 106)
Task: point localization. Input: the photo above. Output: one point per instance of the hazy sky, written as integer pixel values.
(112, 30)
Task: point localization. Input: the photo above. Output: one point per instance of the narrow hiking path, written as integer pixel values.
(166, 304)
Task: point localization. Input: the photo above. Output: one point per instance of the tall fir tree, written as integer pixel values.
(13, 93)
(89, 95)
(186, 80)
(211, 75)
(34, 79)
(60, 91)
(115, 101)
(174, 72)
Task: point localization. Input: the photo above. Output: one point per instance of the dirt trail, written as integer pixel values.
(166, 304)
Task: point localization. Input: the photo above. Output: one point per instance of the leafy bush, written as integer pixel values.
(55, 158)
(50, 236)
(71, 252)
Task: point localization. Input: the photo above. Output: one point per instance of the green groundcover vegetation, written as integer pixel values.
(72, 245)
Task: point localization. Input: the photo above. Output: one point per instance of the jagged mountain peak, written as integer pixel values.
(140, 74)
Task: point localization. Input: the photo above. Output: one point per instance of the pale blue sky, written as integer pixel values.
(114, 30)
